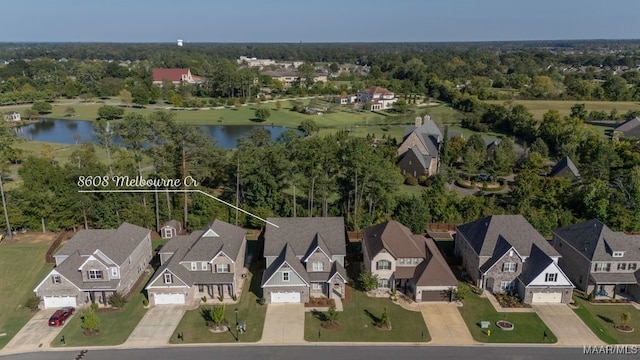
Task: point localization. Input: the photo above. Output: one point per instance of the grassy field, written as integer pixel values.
(539, 107)
(22, 267)
(115, 325)
(357, 323)
(602, 319)
(194, 329)
(529, 328)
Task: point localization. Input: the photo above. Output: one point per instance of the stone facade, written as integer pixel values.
(496, 274)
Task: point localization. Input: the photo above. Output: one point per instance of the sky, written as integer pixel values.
(316, 21)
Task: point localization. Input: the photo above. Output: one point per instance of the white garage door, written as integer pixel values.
(169, 299)
(285, 297)
(547, 298)
(59, 301)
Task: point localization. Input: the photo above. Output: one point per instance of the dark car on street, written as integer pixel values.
(60, 316)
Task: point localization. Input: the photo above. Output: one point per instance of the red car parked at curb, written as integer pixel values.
(60, 316)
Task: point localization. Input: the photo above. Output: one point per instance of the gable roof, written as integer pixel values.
(116, 244)
(317, 243)
(597, 242)
(499, 251)
(372, 90)
(565, 164)
(207, 246)
(434, 270)
(69, 269)
(300, 233)
(395, 238)
(174, 224)
(537, 263)
(483, 234)
(173, 75)
(286, 256)
(629, 126)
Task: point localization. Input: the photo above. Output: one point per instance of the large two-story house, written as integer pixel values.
(94, 264)
(418, 154)
(176, 76)
(598, 260)
(206, 263)
(379, 98)
(505, 254)
(409, 263)
(304, 258)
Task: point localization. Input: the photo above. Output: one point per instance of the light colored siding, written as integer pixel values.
(318, 256)
(294, 279)
(383, 274)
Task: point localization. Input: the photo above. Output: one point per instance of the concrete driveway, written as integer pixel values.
(157, 326)
(566, 325)
(446, 325)
(35, 335)
(284, 324)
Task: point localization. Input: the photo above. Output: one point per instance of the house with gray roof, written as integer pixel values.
(598, 260)
(505, 254)
(206, 263)
(304, 258)
(565, 168)
(94, 264)
(418, 153)
(628, 129)
(409, 263)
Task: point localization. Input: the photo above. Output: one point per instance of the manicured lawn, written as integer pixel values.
(358, 319)
(602, 319)
(22, 268)
(115, 325)
(539, 107)
(194, 329)
(528, 327)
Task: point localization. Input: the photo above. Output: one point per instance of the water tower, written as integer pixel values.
(179, 42)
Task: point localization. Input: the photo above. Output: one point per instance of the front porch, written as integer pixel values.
(612, 286)
(328, 290)
(100, 297)
(215, 291)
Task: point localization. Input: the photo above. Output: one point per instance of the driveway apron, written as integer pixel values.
(35, 335)
(284, 324)
(446, 325)
(157, 326)
(566, 325)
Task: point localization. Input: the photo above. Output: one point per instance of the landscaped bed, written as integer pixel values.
(603, 319)
(194, 329)
(527, 327)
(358, 322)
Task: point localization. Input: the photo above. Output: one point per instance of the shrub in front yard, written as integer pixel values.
(117, 300)
(32, 303)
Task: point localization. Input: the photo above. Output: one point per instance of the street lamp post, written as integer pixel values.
(237, 326)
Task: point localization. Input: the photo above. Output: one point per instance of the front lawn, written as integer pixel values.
(194, 329)
(115, 325)
(528, 327)
(22, 267)
(602, 319)
(357, 322)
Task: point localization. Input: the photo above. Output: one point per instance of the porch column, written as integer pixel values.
(104, 298)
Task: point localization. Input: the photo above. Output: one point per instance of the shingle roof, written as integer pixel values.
(614, 278)
(168, 74)
(501, 248)
(372, 90)
(483, 235)
(536, 264)
(394, 237)
(300, 232)
(286, 256)
(597, 242)
(434, 270)
(69, 269)
(317, 243)
(564, 164)
(630, 125)
(117, 244)
(229, 241)
(173, 223)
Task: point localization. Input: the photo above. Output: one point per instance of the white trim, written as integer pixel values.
(334, 275)
(91, 257)
(164, 286)
(314, 251)
(225, 255)
(501, 257)
(49, 277)
(105, 255)
(210, 233)
(266, 283)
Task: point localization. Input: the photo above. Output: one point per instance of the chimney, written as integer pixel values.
(427, 118)
(418, 121)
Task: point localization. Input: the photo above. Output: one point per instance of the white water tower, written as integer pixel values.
(179, 42)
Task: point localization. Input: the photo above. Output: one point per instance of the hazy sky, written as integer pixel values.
(315, 21)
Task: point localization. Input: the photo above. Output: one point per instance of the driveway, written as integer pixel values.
(566, 325)
(35, 335)
(284, 324)
(157, 326)
(445, 324)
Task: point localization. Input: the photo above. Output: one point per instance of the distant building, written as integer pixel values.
(176, 76)
(629, 129)
(289, 77)
(418, 152)
(380, 98)
(565, 168)
(12, 116)
(179, 41)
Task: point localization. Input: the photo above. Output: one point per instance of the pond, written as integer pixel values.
(64, 131)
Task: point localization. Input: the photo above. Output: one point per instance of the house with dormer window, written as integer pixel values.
(206, 263)
(505, 254)
(598, 260)
(94, 264)
(304, 258)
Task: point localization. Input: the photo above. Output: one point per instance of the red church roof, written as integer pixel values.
(168, 74)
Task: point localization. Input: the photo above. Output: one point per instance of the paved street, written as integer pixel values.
(445, 324)
(284, 324)
(566, 325)
(157, 326)
(35, 335)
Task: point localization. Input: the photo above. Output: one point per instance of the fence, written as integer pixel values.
(441, 227)
(49, 259)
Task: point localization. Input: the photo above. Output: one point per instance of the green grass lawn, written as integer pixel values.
(529, 328)
(358, 319)
(602, 319)
(115, 325)
(539, 107)
(22, 267)
(194, 329)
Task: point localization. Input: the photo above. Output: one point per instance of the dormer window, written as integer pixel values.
(618, 253)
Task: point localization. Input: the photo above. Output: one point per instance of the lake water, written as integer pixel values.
(62, 131)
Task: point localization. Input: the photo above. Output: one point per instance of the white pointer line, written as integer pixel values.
(179, 191)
